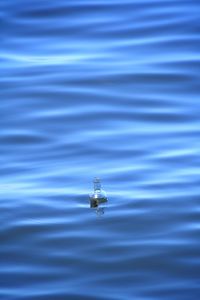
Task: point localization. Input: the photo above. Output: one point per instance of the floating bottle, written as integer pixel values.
(98, 195)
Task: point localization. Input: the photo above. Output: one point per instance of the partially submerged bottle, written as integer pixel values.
(98, 195)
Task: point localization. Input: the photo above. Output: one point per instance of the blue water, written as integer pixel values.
(108, 89)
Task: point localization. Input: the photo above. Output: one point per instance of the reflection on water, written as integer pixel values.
(98, 205)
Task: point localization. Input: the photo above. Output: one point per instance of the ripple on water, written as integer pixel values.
(108, 89)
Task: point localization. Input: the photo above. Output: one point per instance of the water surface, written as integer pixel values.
(109, 89)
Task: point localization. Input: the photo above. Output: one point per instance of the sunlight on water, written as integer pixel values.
(46, 60)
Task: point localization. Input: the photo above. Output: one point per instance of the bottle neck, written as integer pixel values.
(97, 184)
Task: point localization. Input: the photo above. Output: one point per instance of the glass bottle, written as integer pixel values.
(98, 194)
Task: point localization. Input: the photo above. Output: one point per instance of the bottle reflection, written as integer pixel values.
(95, 204)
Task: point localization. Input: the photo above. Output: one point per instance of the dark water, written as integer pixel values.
(109, 89)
